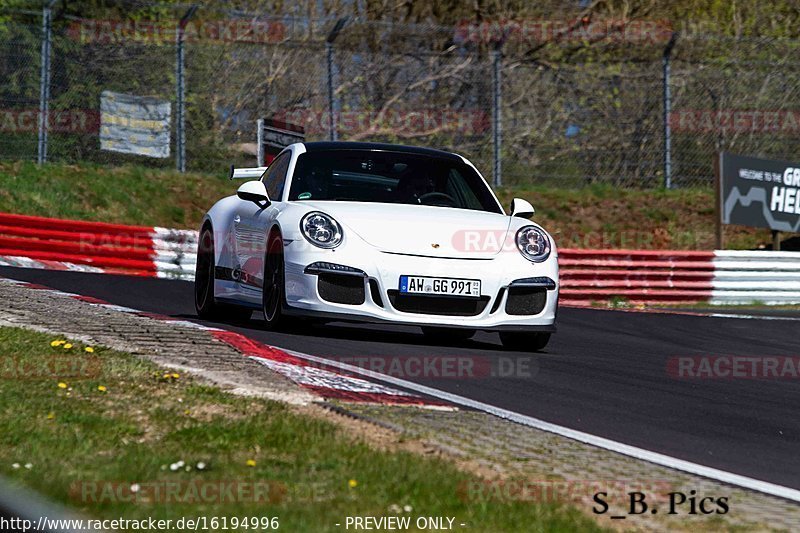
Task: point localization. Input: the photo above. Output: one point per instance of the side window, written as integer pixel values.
(458, 188)
(275, 177)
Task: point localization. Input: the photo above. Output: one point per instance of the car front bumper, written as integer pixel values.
(502, 277)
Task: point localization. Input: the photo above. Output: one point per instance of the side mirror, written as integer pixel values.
(521, 208)
(253, 191)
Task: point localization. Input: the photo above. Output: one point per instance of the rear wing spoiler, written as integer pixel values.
(252, 173)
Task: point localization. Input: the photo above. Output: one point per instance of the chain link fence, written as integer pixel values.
(577, 113)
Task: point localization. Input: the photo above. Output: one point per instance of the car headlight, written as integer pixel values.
(321, 230)
(533, 244)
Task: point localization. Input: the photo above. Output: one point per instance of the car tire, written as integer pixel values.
(273, 299)
(524, 342)
(205, 304)
(443, 334)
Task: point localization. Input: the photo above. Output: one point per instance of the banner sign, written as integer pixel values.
(134, 124)
(277, 135)
(760, 192)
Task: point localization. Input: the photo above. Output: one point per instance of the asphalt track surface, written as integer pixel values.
(604, 373)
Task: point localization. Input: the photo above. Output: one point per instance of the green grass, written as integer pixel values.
(125, 194)
(603, 216)
(78, 437)
(722, 307)
(595, 216)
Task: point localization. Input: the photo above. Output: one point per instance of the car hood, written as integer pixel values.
(422, 230)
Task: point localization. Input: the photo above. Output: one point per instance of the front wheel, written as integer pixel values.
(273, 292)
(523, 341)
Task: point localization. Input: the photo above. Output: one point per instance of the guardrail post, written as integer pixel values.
(44, 81)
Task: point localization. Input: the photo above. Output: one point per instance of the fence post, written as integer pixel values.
(333, 134)
(44, 82)
(667, 111)
(180, 89)
(180, 148)
(497, 123)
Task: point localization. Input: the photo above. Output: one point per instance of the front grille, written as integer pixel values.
(437, 305)
(341, 288)
(526, 300)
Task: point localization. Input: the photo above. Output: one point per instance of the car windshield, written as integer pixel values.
(390, 177)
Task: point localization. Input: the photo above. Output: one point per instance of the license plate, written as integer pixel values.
(440, 286)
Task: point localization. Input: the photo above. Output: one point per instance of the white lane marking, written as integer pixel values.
(698, 314)
(587, 438)
(753, 317)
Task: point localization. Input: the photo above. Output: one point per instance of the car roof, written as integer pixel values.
(379, 147)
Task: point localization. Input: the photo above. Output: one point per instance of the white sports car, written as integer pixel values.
(379, 233)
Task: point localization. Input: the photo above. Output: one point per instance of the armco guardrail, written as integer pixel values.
(41, 242)
(655, 276)
(587, 276)
(742, 277)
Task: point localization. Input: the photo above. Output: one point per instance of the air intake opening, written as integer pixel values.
(341, 288)
(437, 305)
(375, 292)
(526, 300)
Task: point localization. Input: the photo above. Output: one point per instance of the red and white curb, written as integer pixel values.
(98, 247)
(312, 375)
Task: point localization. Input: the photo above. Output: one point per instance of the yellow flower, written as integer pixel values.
(62, 385)
(251, 462)
(352, 483)
(89, 349)
(57, 343)
(67, 346)
(186, 412)
(102, 388)
(175, 375)
(51, 416)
